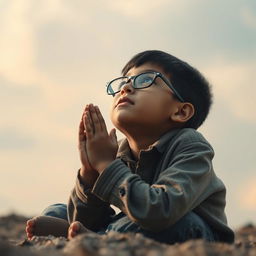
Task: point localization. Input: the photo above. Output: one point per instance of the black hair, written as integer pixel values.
(188, 81)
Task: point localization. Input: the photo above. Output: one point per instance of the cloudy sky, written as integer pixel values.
(56, 56)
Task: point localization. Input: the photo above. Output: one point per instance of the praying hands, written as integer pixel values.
(97, 148)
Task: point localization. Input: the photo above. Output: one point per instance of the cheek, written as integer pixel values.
(157, 104)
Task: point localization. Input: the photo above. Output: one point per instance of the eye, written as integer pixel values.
(144, 80)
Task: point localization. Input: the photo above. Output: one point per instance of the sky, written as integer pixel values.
(56, 57)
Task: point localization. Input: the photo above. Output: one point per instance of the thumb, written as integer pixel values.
(113, 136)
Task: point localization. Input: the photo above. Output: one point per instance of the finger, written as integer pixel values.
(84, 115)
(81, 133)
(113, 136)
(95, 119)
(88, 127)
(81, 128)
(87, 109)
(101, 119)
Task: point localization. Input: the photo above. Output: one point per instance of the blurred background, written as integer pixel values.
(56, 56)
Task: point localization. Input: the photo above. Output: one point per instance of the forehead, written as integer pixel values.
(144, 68)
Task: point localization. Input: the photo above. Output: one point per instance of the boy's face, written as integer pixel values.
(150, 108)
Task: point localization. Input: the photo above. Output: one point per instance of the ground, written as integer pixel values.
(13, 242)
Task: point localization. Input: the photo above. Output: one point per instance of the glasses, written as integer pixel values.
(141, 81)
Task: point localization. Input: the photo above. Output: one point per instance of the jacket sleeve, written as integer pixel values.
(87, 208)
(182, 186)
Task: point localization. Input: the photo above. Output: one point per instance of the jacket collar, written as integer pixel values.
(124, 150)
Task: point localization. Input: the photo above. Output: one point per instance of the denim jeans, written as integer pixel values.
(56, 210)
(190, 226)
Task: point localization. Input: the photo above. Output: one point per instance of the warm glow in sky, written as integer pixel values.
(56, 56)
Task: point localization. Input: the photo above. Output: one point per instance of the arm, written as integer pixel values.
(83, 205)
(87, 208)
(87, 173)
(182, 186)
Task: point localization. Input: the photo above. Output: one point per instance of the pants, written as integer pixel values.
(190, 226)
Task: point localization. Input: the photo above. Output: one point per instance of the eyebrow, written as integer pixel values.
(144, 71)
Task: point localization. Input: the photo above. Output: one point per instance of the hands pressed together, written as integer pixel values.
(97, 148)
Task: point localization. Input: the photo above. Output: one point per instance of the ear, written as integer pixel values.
(183, 113)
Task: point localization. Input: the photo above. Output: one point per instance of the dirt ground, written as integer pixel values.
(13, 242)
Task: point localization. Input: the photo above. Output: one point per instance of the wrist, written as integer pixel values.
(88, 176)
(102, 166)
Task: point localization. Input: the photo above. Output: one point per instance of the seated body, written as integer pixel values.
(160, 175)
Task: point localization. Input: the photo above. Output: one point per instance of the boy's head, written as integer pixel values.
(158, 92)
(188, 81)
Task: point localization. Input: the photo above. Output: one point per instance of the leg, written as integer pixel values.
(56, 210)
(191, 226)
(53, 221)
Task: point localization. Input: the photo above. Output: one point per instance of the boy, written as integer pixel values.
(161, 175)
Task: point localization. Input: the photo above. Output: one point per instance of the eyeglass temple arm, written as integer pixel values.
(172, 87)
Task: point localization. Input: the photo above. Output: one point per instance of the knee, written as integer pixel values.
(190, 226)
(56, 210)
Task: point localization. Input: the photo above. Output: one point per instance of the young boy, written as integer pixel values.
(160, 176)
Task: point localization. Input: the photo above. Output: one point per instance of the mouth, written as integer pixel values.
(124, 100)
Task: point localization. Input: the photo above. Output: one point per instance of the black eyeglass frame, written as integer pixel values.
(157, 74)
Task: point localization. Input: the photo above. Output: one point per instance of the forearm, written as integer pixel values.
(142, 203)
(85, 207)
(154, 207)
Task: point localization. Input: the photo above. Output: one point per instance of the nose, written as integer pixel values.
(127, 88)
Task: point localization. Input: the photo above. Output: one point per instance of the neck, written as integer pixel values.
(136, 146)
(141, 140)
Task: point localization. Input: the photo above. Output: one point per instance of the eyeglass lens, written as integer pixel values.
(139, 81)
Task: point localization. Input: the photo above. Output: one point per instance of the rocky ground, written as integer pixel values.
(13, 243)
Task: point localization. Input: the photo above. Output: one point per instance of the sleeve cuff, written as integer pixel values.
(107, 186)
(84, 194)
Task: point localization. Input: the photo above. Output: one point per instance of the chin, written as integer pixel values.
(122, 122)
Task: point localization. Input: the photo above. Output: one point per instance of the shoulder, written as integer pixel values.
(189, 135)
(191, 140)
